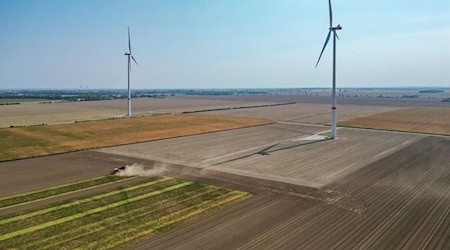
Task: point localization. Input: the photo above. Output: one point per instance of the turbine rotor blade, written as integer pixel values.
(335, 33)
(129, 40)
(132, 57)
(331, 13)
(324, 46)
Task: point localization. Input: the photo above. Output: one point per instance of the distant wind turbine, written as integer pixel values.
(130, 56)
(333, 106)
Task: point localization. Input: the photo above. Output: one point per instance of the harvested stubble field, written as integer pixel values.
(60, 113)
(16, 143)
(421, 120)
(108, 219)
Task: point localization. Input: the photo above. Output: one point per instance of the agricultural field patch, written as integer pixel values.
(421, 120)
(112, 218)
(31, 113)
(20, 100)
(316, 113)
(16, 143)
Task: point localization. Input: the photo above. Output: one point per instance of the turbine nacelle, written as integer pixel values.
(339, 27)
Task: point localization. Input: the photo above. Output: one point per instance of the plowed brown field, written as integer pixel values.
(422, 120)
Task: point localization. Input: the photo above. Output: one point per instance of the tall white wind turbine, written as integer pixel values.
(333, 105)
(130, 56)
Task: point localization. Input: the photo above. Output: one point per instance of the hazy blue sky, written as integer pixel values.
(218, 44)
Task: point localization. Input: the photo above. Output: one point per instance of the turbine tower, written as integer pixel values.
(335, 36)
(130, 56)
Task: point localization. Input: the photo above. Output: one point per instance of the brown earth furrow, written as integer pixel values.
(286, 237)
(259, 240)
(428, 228)
(260, 202)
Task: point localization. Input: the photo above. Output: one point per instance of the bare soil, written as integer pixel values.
(421, 120)
(275, 152)
(303, 112)
(399, 202)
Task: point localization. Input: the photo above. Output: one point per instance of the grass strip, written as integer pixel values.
(43, 218)
(64, 192)
(139, 231)
(124, 218)
(78, 202)
(92, 211)
(50, 188)
(89, 223)
(139, 220)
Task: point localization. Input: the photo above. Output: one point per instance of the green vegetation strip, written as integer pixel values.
(78, 202)
(50, 188)
(39, 219)
(20, 201)
(114, 221)
(92, 211)
(139, 231)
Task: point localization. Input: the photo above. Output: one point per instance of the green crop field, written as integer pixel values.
(108, 219)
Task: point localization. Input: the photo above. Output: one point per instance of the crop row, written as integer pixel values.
(124, 215)
(21, 199)
(37, 216)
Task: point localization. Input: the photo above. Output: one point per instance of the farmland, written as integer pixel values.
(393, 192)
(116, 216)
(20, 100)
(421, 120)
(310, 108)
(302, 112)
(280, 152)
(61, 113)
(26, 142)
(399, 202)
(281, 185)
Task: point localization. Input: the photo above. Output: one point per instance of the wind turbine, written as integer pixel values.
(130, 56)
(333, 105)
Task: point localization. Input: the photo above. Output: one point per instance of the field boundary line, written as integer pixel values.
(92, 211)
(70, 192)
(82, 201)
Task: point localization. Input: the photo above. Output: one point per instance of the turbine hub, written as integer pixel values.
(336, 28)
